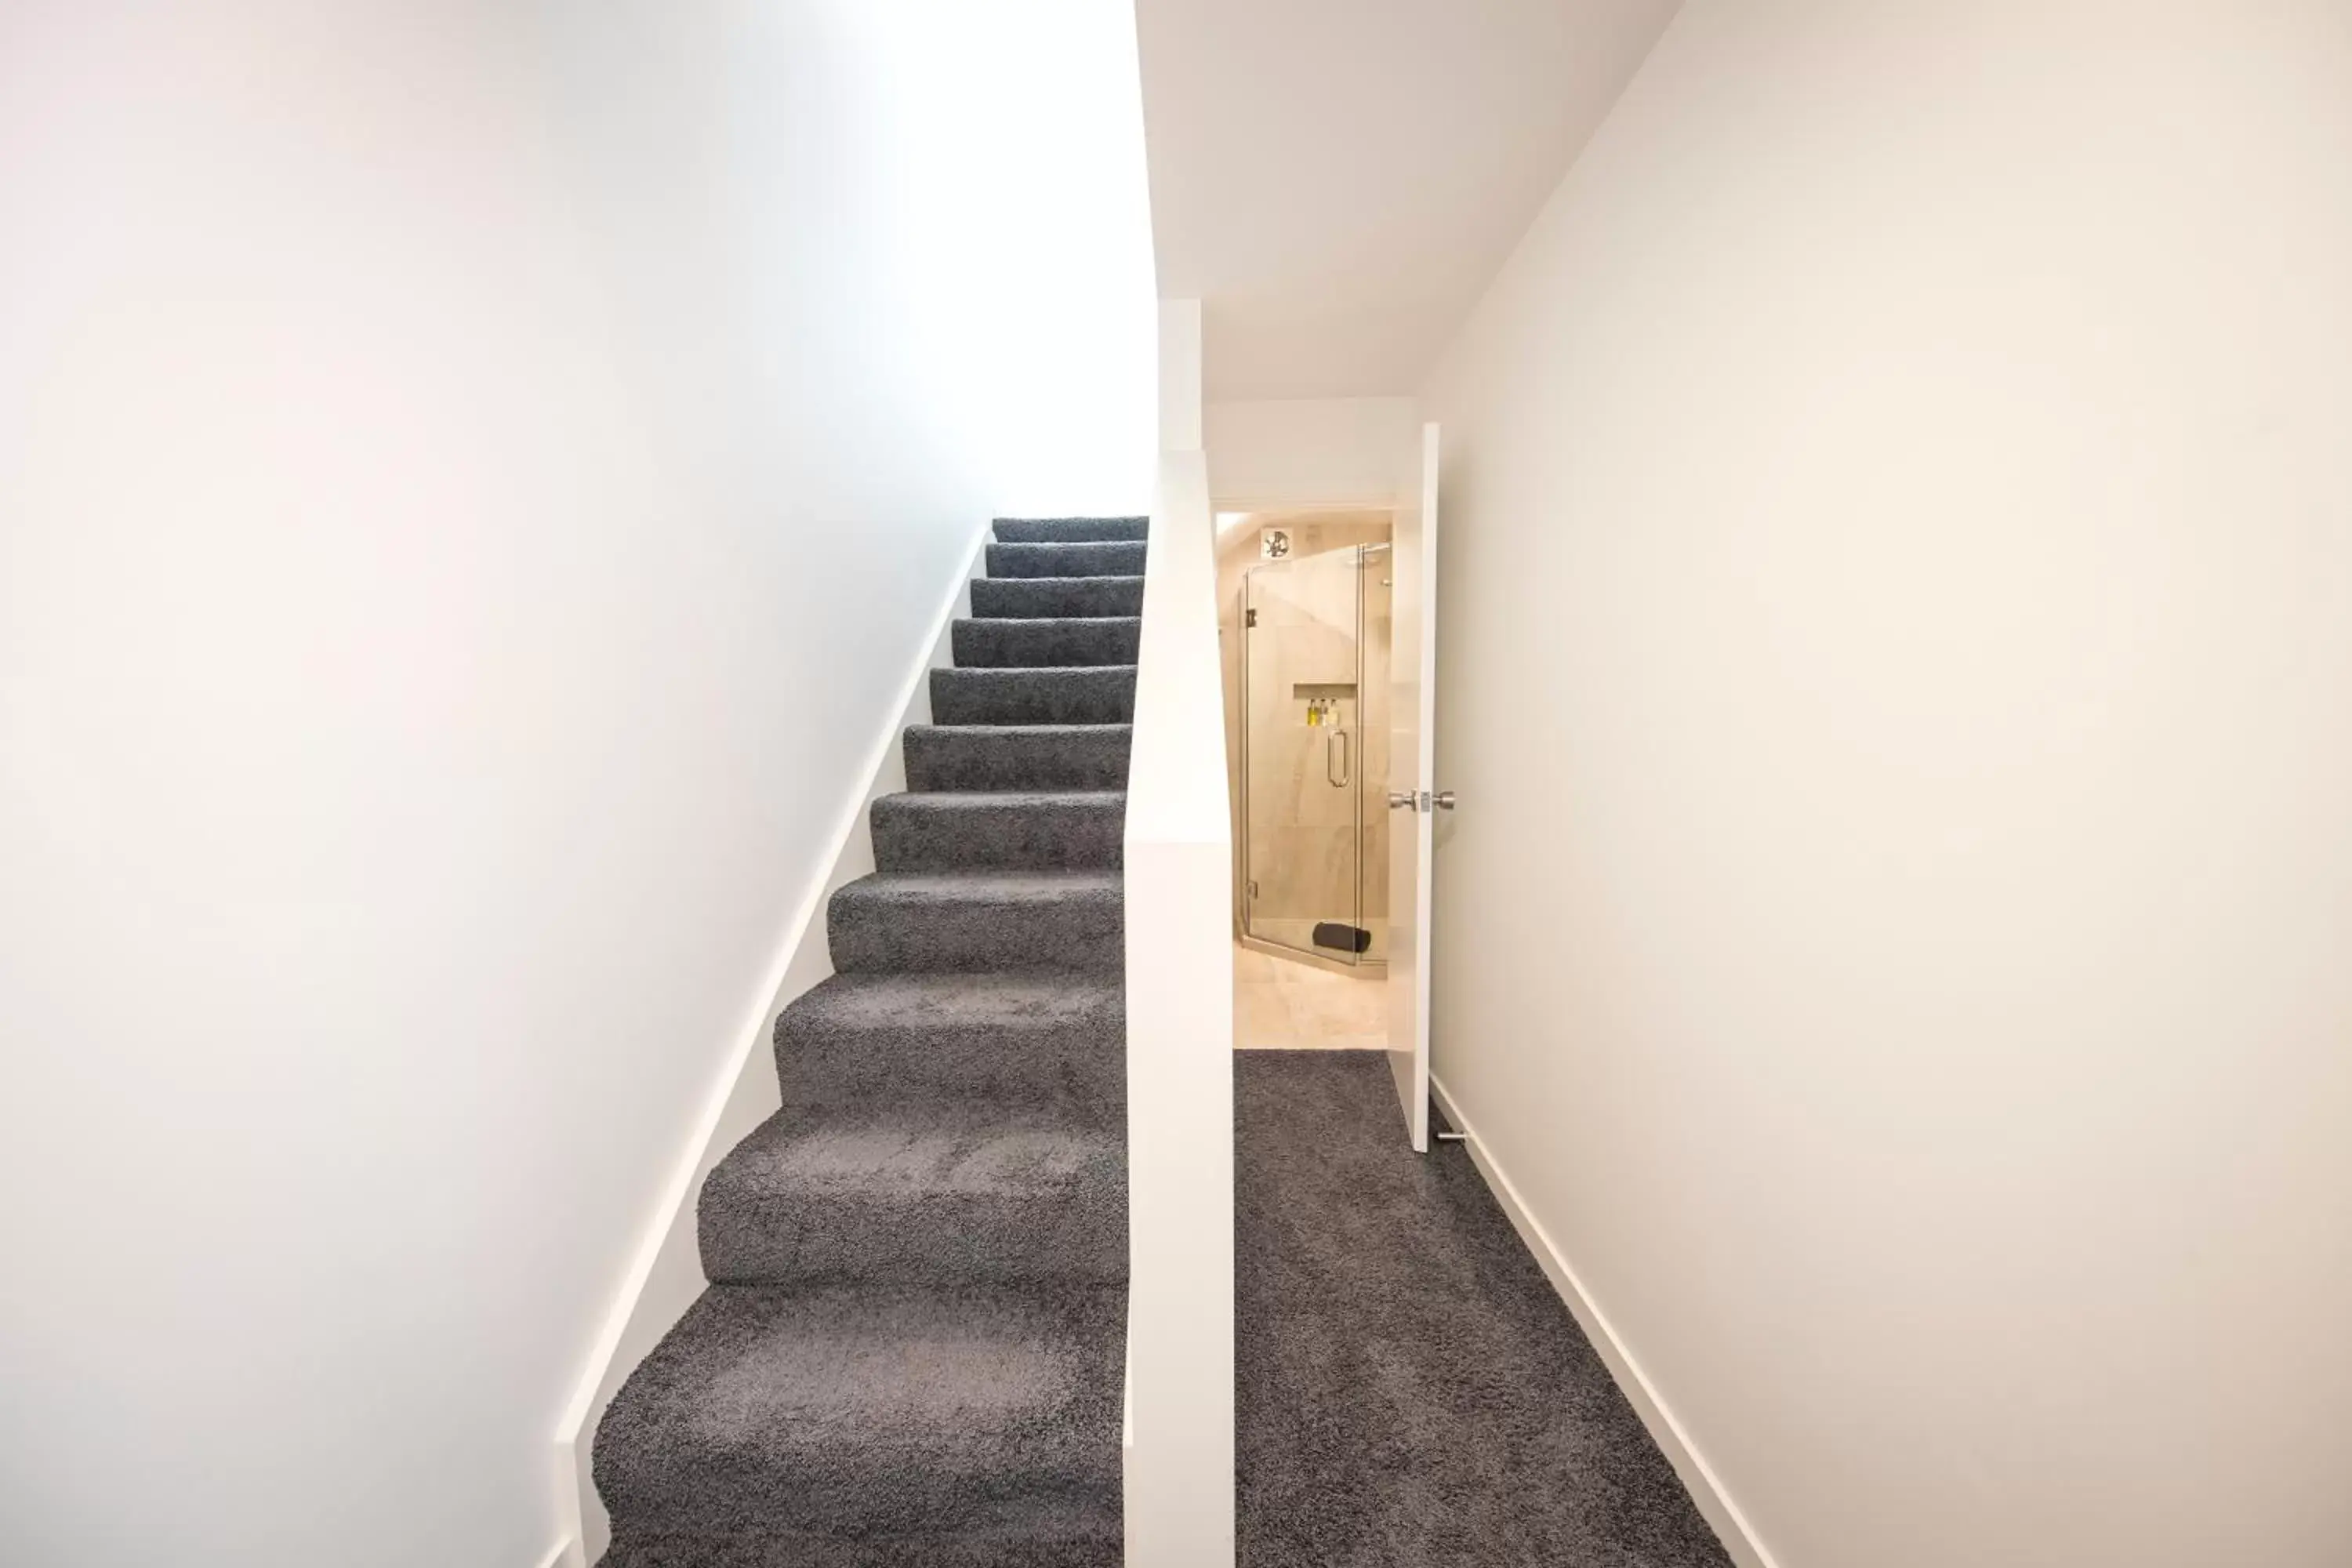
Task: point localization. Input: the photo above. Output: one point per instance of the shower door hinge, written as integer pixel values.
(1252, 618)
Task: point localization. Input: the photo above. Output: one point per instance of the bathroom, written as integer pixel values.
(1303, 612)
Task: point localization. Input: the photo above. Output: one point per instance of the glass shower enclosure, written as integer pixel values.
(1314, 735)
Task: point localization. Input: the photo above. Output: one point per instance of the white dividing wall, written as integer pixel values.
(1898, 674)
(1178, 1441)
(1180, 1054)
(1314, 451)
(1180, 375)
(473, 479)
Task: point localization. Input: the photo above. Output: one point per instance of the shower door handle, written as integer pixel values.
(1337, 744)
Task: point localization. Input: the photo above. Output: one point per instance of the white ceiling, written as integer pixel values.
(1337, 180)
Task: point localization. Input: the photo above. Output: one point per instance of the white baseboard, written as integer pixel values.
(666, 1275)
(1729, 1524)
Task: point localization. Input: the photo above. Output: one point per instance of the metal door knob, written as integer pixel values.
(1443, 800)
(1399, 801)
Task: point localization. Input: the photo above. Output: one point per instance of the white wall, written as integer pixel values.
(1308, 451)
(472, 480)
(1898, 674)
(1178, 1459)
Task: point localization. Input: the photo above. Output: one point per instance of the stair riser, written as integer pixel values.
(1028, 644)
(1005, 758)
(1103, 696)
(1082, 934)
(1071, 530)
(1031, 598)
(1076, 834)
(1078, 1073)
(1065, 559)
(727, 1492)
(1070, 1228)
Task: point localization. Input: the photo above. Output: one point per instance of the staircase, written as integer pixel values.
(910, 1352)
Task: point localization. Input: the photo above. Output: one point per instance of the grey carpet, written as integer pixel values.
(1079, 529)
(911, 1351)
(1096, 694)
(1412, 1391)
(1017, 757)
(973, 922)
(1057, 639)
(946, 830)
(1066, 558)
(1038, 598)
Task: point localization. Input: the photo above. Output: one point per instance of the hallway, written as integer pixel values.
(1412, 1392)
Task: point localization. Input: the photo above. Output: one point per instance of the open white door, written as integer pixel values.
(1412, 788)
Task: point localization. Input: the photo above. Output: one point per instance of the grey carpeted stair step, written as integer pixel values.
(1057, 641)
(1022, 1041)
(1116, 560)
(1001, 830)
(688, 1549)
(1026, 598)
(1070, 530)
(969, 922)
(1018, 756)
(958, 1419)
(920, 1195)
(1096, 694)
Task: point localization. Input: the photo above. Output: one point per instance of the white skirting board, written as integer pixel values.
(667, 1276)
(1730, 1525)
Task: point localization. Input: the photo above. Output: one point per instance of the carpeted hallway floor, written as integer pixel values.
(1412, 1390)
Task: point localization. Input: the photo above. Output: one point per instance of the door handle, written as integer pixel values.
(1400, 800)
(1443, 800)
(1338, 742)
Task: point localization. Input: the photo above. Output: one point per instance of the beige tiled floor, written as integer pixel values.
(1282, 1006)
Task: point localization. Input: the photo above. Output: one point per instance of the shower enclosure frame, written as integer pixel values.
(1361, 557)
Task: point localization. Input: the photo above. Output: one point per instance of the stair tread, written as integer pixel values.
(996, 1038)
(942, 1193)
(898, 1150)
(636, 1548)
(986, 887)
(1079, 529)
(1012, 671)
(1120, 577)
(855, 1409)
(1003, 799)
(1017, 730)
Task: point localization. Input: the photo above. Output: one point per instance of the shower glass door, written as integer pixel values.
(1314, 642)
